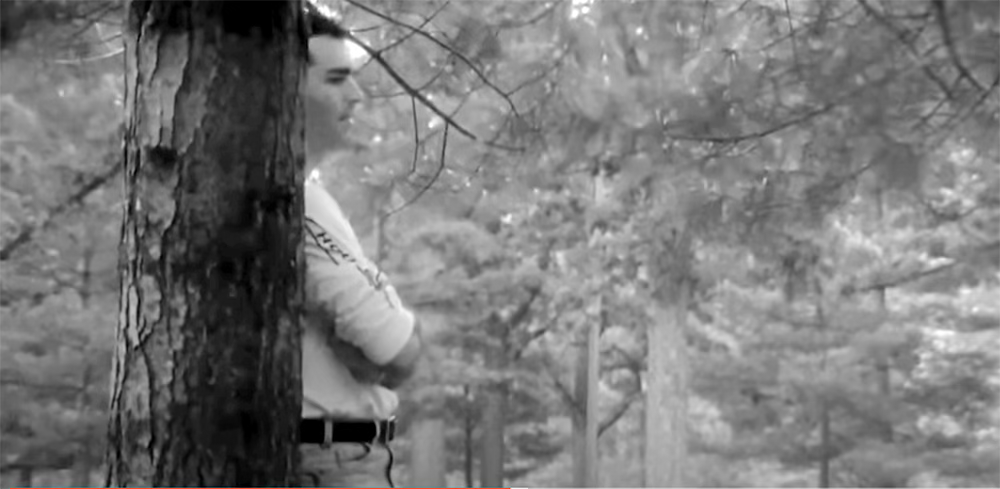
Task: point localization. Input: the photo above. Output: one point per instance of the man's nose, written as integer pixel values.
(355, 95)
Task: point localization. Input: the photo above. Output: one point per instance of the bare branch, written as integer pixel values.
(791, 35)
(444, 46)
(758, 134)
(950, 45)
(565, 394)
(414, 31)
(905, 279)
(416, 136)
(901, 35)
(522, 311)
(619, 410)
(27, 233)
(919, 274)
(10, 381)
(377, 56)
(437, 173)
(957, 119)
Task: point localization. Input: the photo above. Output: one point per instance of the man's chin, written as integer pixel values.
(353, 138)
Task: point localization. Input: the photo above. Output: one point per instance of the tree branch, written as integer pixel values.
(437, 173)
(949, 44)
(28, 232)
(541, 15)
(444, 46)
(905, 279)
(377, 56)
(631, 362)
(20, 382)
(636, 367)
(565, 394)
(901, 35)
(759, 134)
(524, 308)
(919, 274)
(619, 410)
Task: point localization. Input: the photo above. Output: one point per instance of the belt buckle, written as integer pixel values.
(390, 428)
(327, 433)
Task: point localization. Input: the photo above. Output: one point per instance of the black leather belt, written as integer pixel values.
(323, 431)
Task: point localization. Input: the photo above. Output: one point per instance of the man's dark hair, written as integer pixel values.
(321, 24)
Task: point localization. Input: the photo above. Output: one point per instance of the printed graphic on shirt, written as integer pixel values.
(339, 255)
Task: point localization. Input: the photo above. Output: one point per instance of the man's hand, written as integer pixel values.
(404, 364)
(391, 375)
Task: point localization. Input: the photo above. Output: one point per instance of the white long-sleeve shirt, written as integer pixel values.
(347, 294)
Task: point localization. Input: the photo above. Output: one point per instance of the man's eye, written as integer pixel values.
(336, 76)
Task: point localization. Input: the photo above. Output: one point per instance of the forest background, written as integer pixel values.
(820, 181)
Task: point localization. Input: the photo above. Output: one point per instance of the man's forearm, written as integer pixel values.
(393, 377)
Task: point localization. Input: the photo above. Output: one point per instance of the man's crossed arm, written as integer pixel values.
(370, 331)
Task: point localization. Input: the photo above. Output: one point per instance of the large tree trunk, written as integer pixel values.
(667, 384)
(206, 387)
(666, 400)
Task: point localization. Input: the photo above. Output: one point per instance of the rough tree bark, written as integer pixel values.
(206, 371)
(667, 380)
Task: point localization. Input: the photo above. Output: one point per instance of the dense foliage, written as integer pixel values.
(523, 168)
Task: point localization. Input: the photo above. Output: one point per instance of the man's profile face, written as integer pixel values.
(330, 95)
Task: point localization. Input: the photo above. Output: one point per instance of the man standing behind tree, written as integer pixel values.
(359, 341)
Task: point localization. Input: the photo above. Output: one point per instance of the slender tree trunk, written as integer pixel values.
(825, 450)
(206, 388)
(883, 375)
(590, 451)
(883, 372)
(86, 274)
(641, 436)
(428, 453)
(585, 427)
(469, 427)
(25, 476)
(491, 463)
(824, 437)
(579, 417)
(585, 416)
(82, 462)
